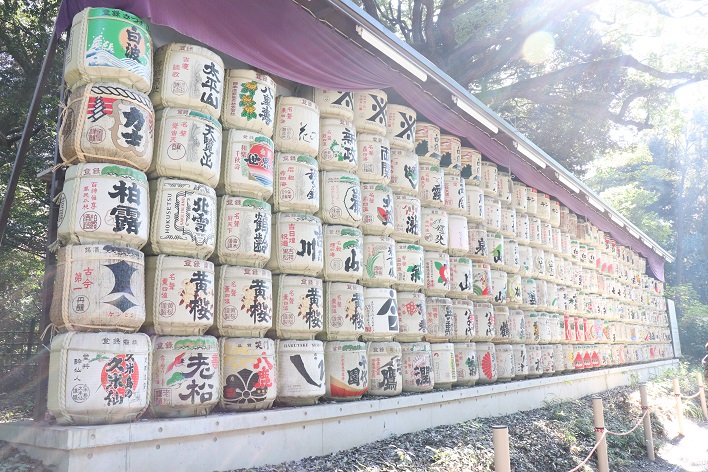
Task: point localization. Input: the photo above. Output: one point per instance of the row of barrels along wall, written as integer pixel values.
(295, 247)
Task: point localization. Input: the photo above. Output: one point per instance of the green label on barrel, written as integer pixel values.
(118, 39)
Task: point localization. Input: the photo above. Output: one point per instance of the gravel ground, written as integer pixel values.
(555, 437)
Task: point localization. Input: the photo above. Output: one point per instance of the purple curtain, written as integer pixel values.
(284, 39)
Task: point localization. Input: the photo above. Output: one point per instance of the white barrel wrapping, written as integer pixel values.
(247, 164)
(492, 213)
(297, 244)
(297, 302)
(249, 101)
(340, 198)
(487, 358)
(248, 373)
(187, 146)
(185, 376)
(475, 203)
(464, 326)
(346, 370)
(180, 295)
(484, 322)
(417, 367)
(481, 282)
(490, 179)
(440, 319)
(400, 126)
(98, 378)
(410, 265)
(300, 373)
(99, 287)
(296, 183)
(444, 368)
(244, 301)
(451, 154)
(502, 325)
(506, 365)
(343, 253)
(427, 143)
(406, 219)
(103, 203)
(338, 148)
(184, 218)
(437, 273)
(374, 158)
(404, 172)
(380, 314)
(377, 209)
(412, 316)
(521, 361)
(370, 111)
(297, 126)
(343, 311)
(107, 122)
(332, 103)
(431, 189)
(243, 235)
(188, 76)
(461, 278)
(466, 364)
(519, 198)
(471, 166)
(435, 229)
(458, 239)
(479, 248)
(379, 262)
(385, 377)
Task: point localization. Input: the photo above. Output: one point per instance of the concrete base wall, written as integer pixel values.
(233, 440)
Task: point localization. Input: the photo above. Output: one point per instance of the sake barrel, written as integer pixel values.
(510, 259)
(569, 357)
(300, 373)
(496, 249)
(490, 179)
(492, 213)
(185, 376)
(370, 111)
(529, 294)
(427, 143)
(458, 239)
(451, 154)
(564, 218)
(471, 166)
(521, 361)
(180, 295)
(412, 316)
(539, 263)
(481, 282)
(501, 325)
(444, 368)
(548, 360)
(523, 228)
(455, 196)
(544, 326)
(377, 209)
(436, 273)
(542, 294)
(533, 327)
(466, 364)
(461, 278)
(534, 232)
(517, 326)
(555, 213)
(544, 207)
(432, 183)
(106, 122)
(188, 76)
(409, 267)
(475, 204)
(406, 219)
(332, 103)
(566, 245)
(404, 172)
(400, 126)
(552, 294)
(531, 202)
(380, 314)
(440, 319)
(103, 203)
(99, 287)
(484, 315)
(385, 377)
(244, 301)
(184, 218)
(374, 158)
(535, 354)
(346, 370)
(338, 145)
(296, 183)
(550, 267)
(248, 373)
(343, 311)
(556, 241)
(519, 196)
(508, 221)
(435, 223)
(463, 326)
(505, 189)
(558, 359)
(417, 367)
(506, 364)
(479, 247)
(297, 244)
(343, 253)
(514, 290)
(242, 237)
(573, 225)
(249, 101)
(187, 145)
(98, 378)
(106, 44)
(297, 302)
(340, 198)
(247, 166)
(297, 126)
(379, 262)
(487, 358)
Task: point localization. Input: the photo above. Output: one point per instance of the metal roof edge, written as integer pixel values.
(362, 18)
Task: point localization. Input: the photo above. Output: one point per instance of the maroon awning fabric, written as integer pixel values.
(283, 38)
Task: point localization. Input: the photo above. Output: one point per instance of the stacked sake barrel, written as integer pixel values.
(100, 368)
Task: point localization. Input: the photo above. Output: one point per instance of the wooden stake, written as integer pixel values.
(500, 439)
(648, 437)
(702, 395)
(599, 418)
(679, 406)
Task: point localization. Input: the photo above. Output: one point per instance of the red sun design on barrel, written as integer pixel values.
(487, 365)
(119, 377)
